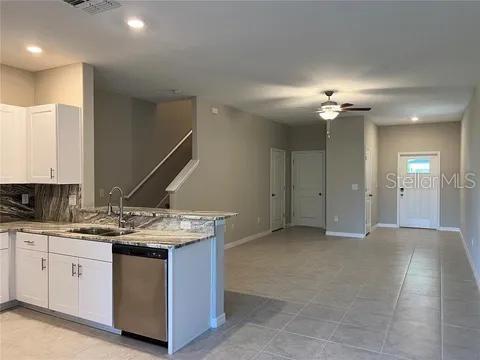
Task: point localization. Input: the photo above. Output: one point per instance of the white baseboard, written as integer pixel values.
(218, 321)
(446, 228)
(345, 234)
(246, 239)
(288, 225)
(384, 225)
(470, 260)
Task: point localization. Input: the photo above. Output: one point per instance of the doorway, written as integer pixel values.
(277, 189)
(418, 190)
(308, 188)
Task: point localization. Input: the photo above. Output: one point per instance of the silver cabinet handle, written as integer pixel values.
(44, 263)
(79, 270)
(74, 269)
(29, 242)
(52, 173)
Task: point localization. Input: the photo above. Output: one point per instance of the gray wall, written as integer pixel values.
(346, 166)
(131, 137)
(443, 137)
(234, 169)
(371, 143)
(470, 162)
(307, 137)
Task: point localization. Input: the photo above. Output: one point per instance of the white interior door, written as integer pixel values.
(419, 190)
(368, 190)
(308, 184)
(277, 189)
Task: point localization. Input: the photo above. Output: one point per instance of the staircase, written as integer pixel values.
(150, 191)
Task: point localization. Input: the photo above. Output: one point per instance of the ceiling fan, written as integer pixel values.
(329, 109)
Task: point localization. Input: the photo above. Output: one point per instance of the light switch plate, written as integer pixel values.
(214, 110)
(25, 199)
(72, 200)
(355, 187)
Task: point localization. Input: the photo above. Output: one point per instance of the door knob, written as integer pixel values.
(319, 194)
(273, 195)
(371, 195)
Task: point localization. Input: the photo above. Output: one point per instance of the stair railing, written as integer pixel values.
(154, 170)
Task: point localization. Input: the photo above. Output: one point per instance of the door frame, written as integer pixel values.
(284, 152)
(292, 192)
(372, 185)
(420, 153)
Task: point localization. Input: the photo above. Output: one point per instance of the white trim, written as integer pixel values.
(292, 185)
(218, 321)
(413, 153)
(446, 228)
(345, 234)
(385, 225)
(182, 176)
(284, 215)
(246, 239)
(470, 261)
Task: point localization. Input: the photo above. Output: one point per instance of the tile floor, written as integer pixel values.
(297, 294)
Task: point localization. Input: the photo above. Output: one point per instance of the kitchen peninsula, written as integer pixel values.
(76, 276)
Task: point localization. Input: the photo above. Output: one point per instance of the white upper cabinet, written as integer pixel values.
(54, 144)
(13, 144)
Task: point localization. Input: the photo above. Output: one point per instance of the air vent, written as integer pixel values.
(93, 6)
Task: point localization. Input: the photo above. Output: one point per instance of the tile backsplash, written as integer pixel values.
(46, 202)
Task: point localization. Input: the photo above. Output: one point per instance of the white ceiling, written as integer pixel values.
(271, 59)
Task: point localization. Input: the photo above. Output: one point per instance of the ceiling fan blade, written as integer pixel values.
(346, 105)
(357, 109)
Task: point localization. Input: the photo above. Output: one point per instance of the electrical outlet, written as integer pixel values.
(355, 187)
(25, 199)
(335, 218)
(72, 200)
(214, 110)
(233, 226)
(101, 192)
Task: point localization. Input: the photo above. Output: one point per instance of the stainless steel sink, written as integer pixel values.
(101, 231)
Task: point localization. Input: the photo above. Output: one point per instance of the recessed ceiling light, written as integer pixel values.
(34, 49)
(135, 23)
(414, 118)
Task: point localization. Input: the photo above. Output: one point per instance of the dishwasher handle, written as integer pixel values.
(140, 251)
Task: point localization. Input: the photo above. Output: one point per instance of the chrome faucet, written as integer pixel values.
(121, 221)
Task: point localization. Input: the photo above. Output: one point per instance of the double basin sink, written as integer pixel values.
(101, 231)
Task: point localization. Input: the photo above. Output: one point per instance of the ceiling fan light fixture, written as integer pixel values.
(328, 114)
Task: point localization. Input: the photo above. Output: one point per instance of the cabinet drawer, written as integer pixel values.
(82, 248)
(32, 241)
(4, 240)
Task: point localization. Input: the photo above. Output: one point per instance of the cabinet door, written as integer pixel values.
(42, 141)
(63, 284)
(4, 276)
(95, 291)
(32, 277)
(13, 144)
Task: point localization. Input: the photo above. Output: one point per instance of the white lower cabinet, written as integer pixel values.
(32, 276)
(63, 284)
(4, 275)
(95, 291)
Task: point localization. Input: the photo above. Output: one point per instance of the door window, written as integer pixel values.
(418, 166)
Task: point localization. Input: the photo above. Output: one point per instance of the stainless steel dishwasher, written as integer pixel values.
(140, 291)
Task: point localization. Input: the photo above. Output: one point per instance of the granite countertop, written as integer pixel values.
(168, 213)
(164, 239)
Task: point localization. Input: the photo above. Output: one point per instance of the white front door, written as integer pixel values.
(308, 194)
(419, 190)
(277, 189)
(368, 191)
